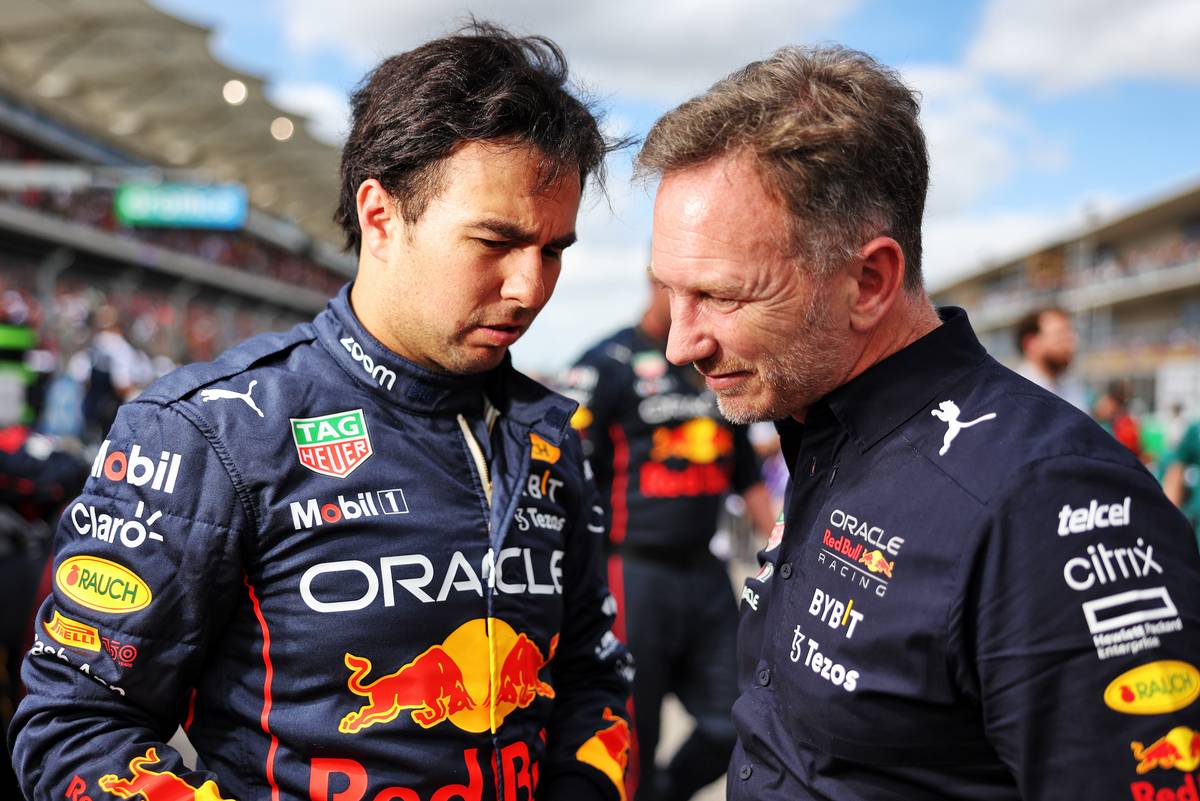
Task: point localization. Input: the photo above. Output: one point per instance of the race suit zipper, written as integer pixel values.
(482, 468)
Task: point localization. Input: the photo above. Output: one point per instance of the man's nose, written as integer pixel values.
(525, 283)
(687, 341)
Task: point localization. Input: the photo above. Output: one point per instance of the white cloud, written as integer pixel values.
(1063, 45)
(327, 108)
(662, 51)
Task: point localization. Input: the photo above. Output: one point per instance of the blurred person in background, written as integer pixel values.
(1111, 411)
(112, 371)
(1046, 341)
(977, 593)
(307, 552)
(665, 460)
(1180, 474)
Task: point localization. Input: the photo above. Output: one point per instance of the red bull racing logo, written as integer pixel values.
(700, 442)
(153, 785)
(1179, 749)
(608, 750)
(877, 564)
(452, 681)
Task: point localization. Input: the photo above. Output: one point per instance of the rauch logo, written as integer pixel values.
(102, 585)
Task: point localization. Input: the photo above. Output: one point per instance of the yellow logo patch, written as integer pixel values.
(1154, 688)
(102, 585)
(542, 450)
(72, 633)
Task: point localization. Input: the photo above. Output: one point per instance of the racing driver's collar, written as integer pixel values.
(400, 382)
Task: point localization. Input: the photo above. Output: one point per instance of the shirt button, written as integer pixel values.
(745, 772)
(786, 570)
(764, 677)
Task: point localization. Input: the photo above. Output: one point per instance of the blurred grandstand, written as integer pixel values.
(100, 102)
(1131, 283)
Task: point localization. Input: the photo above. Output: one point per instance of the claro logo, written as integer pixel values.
(383, 376)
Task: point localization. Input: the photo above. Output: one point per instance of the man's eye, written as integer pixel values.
(493, 244)
(555, 254)
(723, 304)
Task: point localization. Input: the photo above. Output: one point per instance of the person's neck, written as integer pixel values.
(908, 320)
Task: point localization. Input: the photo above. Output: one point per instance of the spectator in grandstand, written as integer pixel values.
(947, 613)
(211, 573)
(1046, 341)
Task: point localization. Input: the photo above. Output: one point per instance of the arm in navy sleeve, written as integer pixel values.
(1082, 629)
(148, 565)
(588, 736)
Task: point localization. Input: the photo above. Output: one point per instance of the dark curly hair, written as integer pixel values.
(411, 113)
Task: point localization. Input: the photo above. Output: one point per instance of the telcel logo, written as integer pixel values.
(1154, 688)
(136, 469)
(1093, 516)
(383, 376)
(310, 514)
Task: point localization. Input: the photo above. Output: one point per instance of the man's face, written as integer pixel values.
(769, 338)
(1055, 341)
(470, 275)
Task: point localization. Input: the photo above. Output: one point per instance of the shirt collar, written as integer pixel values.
(874, 403)
(400, 382)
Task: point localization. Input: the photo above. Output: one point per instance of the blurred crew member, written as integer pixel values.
(665, 459)
(361, 559)
(1046, 341)
(977, 592)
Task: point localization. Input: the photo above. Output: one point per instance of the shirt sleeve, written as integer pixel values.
(594, 382)
(147, 569)
(589, 736)
(1083, 627)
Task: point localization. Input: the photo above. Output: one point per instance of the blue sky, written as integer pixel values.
(1035, 110)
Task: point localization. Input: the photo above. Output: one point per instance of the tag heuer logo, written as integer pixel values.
(332, 445)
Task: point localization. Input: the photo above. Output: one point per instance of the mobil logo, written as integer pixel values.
(135, 469)
(312, 513)
(333, 444)
(453, 681)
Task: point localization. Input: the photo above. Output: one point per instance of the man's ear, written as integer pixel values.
(376, 214)
(878, 276)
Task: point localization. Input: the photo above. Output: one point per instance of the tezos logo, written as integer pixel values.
(383, 376)
(333, 444)
(137, 470)
(1093, 516)
(310, 514)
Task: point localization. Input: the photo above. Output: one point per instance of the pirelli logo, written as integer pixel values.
(72, 633)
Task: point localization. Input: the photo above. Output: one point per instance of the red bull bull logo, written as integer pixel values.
(875, 562)
(608, 750)
(1178, 749)
(452, 681)
(700, 440)
(153, 785)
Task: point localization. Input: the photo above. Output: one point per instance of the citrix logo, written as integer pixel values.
(1137, 562)
(135, 469)
(383, 375)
